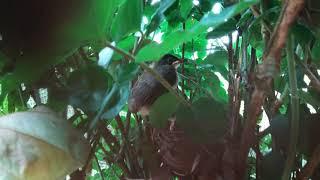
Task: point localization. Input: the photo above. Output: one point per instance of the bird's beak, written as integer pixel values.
(177, 63)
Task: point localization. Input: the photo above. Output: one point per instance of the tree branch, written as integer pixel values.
(265, 73)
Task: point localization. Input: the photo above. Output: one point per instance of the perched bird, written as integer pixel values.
(147, 89)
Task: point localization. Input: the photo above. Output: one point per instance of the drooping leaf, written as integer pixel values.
(127, 19)
(154, 51)
(117, 97)
(115, 100)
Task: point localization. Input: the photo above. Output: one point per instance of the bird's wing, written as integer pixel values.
(147, 89)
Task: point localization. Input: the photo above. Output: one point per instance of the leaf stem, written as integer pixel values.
(294, 129)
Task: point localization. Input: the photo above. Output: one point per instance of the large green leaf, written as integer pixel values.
(123, 73)
(154, 51)
(115, 100)
(92, 23)
(223, 29)
(185, 8)
(127, 20)
(126, 45)
(219, 58)
(205, 121)
(162, 110)
(158, 16)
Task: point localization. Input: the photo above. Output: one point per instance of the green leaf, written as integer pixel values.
(205, 121)
(92, 23)
(185, 8)
(126, 45)
(154, 51)
(86, 91)
(162, 110)
(123, 73)
(115, 99)
(315, 52)
(158, 16)
(223, 29)
(218, 58)
(128, 19)
(306, 97)
(302, 34)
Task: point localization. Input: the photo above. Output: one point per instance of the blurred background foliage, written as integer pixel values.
(80, 58)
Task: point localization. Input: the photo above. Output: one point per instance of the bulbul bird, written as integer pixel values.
(147, 89)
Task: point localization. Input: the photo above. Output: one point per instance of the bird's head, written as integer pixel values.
(169, 59)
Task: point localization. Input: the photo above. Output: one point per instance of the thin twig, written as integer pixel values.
(182, 63)
(21, 98)
(99, 167)
(315, 83)
(256, 13)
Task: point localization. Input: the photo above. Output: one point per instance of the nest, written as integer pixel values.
(185, 157)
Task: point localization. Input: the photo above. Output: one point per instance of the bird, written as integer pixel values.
(147, 89)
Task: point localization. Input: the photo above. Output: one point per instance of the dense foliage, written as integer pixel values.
(245, 64)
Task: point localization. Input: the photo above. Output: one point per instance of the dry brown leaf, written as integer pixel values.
(39, 144)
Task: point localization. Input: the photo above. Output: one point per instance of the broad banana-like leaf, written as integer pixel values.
(38, 144)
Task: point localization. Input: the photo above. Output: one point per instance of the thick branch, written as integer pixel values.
(265, 73)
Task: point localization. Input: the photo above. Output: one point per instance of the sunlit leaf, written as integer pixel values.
(154, 51)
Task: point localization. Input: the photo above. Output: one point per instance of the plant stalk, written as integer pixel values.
(294, 125)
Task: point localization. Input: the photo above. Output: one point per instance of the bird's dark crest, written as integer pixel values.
(168, 59)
